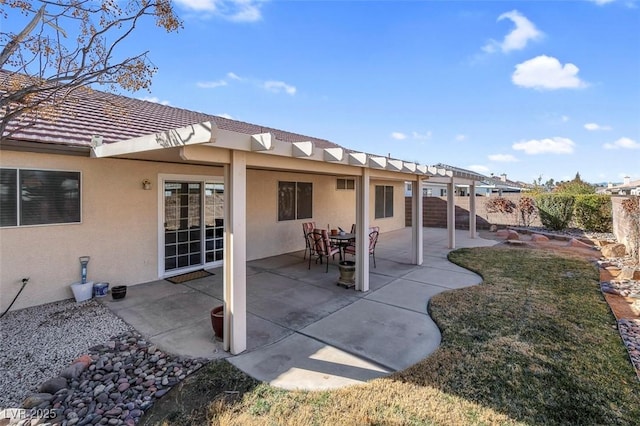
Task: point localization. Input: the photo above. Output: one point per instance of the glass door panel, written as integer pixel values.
(214, 221)
(182, 225)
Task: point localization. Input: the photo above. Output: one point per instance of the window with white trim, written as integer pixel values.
(38, 197)
(384, 201)
(346, 183)
(295, 200)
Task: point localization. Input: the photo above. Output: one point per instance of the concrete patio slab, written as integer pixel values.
(300, 362)
(388, 335)
(406, 294)
(303, 331)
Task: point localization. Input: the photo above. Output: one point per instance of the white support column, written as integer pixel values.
(472, 210)
(362, 231)
(235, 255)
(451, 214)
(416, 222)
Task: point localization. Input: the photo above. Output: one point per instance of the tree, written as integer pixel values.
(67, 46)
(575, 186)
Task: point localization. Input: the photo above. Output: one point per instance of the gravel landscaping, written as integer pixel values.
(83, 365)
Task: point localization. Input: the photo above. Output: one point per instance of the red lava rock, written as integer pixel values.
(536, 238)
(85, 359)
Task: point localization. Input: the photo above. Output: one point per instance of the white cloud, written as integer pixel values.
(421, 136)
(601, 2)
(398, 136)
(478, 168)
(518, 38)
(461, 138)
(594, 126)
(232, 10)
(154, 100)
(234, 76)
(211, 84)
(546, 72)
(503, 158)
(556, 145)
(622, 143)
(279, 86)
(225, 115)
(565, 118)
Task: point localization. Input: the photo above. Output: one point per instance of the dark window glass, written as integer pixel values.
(49, 197)
(8, 197)
(286, 200)
(388, 201)
(305, 200)
(295, 200)
(384, 201)
(379, 202)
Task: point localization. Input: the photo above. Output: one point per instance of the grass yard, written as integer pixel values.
(534, 344)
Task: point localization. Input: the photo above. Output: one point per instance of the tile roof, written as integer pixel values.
(91, 112)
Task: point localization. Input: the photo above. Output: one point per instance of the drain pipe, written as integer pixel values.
(24, 283)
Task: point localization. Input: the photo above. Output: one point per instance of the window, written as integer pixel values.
(384, 201)
(346, 184)
(295, 200)
(39, 197)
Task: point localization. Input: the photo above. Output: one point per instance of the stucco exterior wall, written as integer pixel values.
(120, 223)
(119, 229)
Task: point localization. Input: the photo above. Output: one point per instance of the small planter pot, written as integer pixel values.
(217, 321)
(119, 292)
(347, 273)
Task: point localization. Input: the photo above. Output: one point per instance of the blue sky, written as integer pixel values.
(526, 88)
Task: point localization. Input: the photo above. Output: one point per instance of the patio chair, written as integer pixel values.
(374, 231)
(308, 227)
(322, 246)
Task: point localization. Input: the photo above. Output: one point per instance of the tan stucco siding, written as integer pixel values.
(331, 206)
(120, 223)
(119, 229)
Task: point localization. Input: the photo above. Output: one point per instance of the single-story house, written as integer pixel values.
(627, 187)
(149, 191)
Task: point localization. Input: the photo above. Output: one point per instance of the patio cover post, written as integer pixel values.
(472, 209)
(362, 230)
(416, 222)
(451, 214)
(235, 254)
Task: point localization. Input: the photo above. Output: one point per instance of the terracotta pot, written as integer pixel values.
(217, 321)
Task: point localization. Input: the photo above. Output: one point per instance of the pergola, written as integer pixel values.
(207, 144)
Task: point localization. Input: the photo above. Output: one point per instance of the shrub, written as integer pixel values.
(500, 205)
(526, 209)
(555, 210)
(593, 212)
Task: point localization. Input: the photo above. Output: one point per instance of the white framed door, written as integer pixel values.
(191, 221)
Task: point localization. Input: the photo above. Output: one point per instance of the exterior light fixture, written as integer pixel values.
(146, 184)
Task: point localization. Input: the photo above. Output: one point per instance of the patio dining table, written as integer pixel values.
(342, 240)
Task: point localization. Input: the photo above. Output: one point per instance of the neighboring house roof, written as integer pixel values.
(501, 182)
(630, 187)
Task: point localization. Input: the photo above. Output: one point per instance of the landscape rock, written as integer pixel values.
(538, 238)
(53, 385)
(502, 233)
(578, 244)
(36, 399)
(512, 235)
(613, 250)
(493, 228)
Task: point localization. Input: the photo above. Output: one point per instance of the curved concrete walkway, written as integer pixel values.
(304, 332)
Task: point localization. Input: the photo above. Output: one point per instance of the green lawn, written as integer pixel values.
(534, 344)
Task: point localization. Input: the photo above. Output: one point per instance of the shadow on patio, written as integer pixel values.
(304, 331)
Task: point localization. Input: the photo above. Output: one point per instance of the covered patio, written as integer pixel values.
(304, 331)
